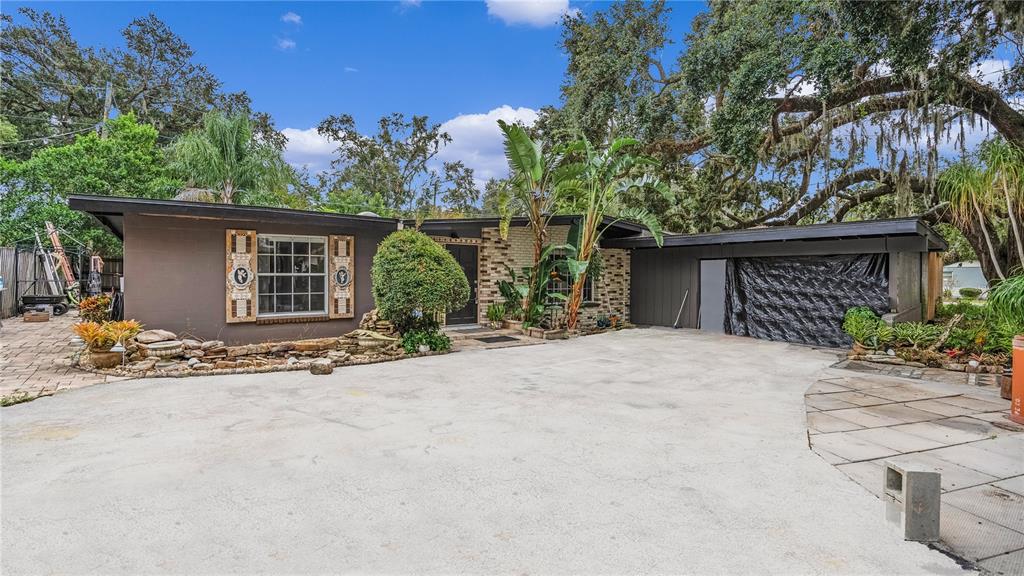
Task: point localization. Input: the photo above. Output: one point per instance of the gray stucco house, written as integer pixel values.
(253, 274)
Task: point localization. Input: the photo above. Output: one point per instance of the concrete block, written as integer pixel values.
(913, 501)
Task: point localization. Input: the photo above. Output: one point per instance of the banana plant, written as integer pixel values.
(540, 177)
(607, 175)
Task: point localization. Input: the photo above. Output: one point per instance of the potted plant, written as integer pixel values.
(495, 314)
(98, 342)
(100, 338)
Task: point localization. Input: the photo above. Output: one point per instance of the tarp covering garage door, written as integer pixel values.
(802, 298)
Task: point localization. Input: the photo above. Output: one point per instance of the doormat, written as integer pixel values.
(496, 339)
(474, 330)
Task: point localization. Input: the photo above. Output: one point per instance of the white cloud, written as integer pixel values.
(537, 13)
(351, 69)
(477, 140)
(291, 17)
(285, 44)
(410, 3)
(308, 148)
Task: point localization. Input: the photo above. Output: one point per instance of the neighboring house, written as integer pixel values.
(253, 274)
(963, 275)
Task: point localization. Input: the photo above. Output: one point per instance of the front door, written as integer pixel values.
(465, 255)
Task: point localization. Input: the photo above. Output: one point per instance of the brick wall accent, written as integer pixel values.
(611, 292)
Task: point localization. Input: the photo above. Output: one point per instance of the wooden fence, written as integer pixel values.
(19, 270)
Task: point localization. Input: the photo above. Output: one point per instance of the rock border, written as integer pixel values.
(302, 365)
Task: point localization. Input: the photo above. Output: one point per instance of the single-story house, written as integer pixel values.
(252, 274)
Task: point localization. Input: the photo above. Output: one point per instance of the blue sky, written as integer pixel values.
(465, 64)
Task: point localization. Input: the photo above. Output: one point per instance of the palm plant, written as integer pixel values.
(1005, 163)
(966, 188)
(607, 174)
(225, 156)
(540, 176)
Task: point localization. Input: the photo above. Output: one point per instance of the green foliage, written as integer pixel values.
(917, 334)
(54, 85)
(1006, 299)
(968, 310)
(126, 163)
(95, 308)
(227, 157)
(437, 341)
(861, 323)
(495, 312)
(970, 293)
(413, 276)
(398, 162)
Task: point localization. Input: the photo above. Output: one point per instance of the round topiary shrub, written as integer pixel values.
(415, 278)
(970, 292)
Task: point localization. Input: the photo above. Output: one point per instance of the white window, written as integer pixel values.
(291, 274)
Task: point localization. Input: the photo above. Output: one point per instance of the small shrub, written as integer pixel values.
(917, 334)
(496, 312)
(100, 337)
(95, 336)
(884, 335)
(122, 330)
(435, 339)
(970, 293)
(414, 278)
(95, 308)
(861, 323)
(968, 310)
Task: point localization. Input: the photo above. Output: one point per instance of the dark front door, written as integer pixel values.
(465, 255)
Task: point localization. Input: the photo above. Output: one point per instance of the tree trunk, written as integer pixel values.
(988, 239)
(1014, 224)
(227, 196)
(572, 308)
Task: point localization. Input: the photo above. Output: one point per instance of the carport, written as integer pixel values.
(789, 283)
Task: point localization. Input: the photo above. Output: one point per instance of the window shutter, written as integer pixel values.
(240, 294)
(341, 252)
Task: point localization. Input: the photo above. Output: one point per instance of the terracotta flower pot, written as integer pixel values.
(104, 359)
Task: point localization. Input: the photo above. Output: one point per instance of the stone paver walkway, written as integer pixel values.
(467, 337)
(858, 422)
(35, 358)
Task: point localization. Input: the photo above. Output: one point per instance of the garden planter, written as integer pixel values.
(166, 349)
(534, 332)
(514, 324)
(555, 334)
(104, 358)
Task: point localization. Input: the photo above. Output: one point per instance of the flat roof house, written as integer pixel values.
(254, 274)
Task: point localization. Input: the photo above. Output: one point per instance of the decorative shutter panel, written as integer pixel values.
(341, 251)
(240, 294)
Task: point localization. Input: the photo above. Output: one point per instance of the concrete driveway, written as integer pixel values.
(643, 451)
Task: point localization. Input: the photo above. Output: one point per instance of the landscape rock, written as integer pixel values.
(202, 366)
(292, 360)
(315, 344)
(191, 344)
(143, 366)
(167, 365)
(153, 336)
(321, 367)
(193, 361)
(247, 350)
(338, 356)
(282, 347)
(211, 344)
(221, 364)
(194, 353)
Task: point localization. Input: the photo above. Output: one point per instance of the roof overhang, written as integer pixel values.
(614, 227)
(110, 211)
(834, 231)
